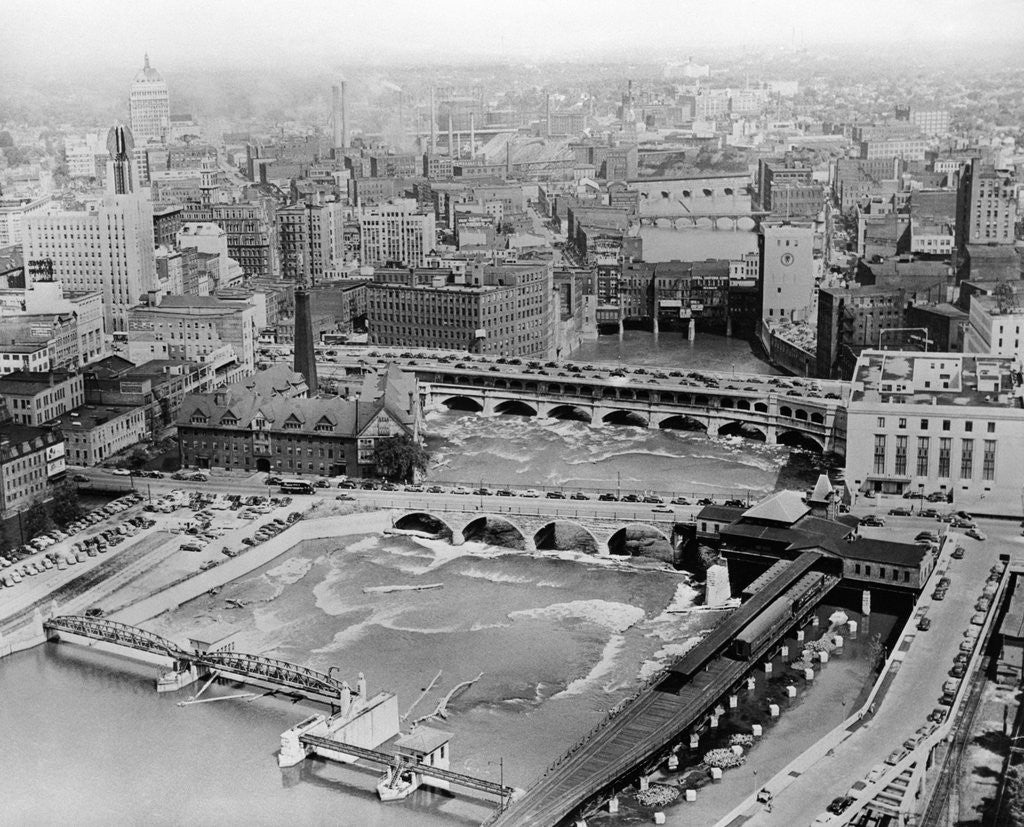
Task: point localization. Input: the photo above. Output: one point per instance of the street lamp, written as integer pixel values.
(501, 778)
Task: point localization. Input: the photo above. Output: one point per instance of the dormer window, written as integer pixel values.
(198, 419)
(229, 422)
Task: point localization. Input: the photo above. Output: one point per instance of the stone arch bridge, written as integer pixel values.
(743, 407)
(540, 531)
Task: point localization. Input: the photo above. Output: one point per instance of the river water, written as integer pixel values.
(560, 639)
(512, 450)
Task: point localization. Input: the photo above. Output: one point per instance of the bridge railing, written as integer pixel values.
(276, 671)
(111, 631)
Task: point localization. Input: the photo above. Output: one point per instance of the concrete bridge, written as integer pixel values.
(553, 528)
(721, 405)
(703, 219)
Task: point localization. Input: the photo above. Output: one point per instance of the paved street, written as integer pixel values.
(917, 684)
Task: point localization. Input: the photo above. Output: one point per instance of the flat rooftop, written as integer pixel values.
(956, 379)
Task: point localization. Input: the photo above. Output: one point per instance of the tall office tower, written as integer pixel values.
(120, 178)
(986, 206)
(305, 353)
(106, 249)
(149, 106)
(395, 233)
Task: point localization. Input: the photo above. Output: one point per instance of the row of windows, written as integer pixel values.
(901, 422)
(895, 573)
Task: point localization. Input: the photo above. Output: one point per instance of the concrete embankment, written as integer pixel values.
(317, 528)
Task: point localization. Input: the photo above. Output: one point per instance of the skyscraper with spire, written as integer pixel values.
(120, 175)
(149, 106)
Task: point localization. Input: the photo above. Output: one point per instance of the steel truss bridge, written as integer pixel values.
(248, 668)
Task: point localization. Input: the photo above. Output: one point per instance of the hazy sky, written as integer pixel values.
(254, 32)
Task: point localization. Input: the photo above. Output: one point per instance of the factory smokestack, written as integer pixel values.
(472, 135)
(305, 354)
(451, 137)
(433, 124)
(548, 111)
(339, 140)
(344, 118)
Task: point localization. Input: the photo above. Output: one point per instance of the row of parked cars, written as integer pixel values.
(377, 485)
(79, 550)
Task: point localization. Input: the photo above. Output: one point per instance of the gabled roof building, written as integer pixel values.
(269, 423)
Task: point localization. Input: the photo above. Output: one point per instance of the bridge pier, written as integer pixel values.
(691, 330)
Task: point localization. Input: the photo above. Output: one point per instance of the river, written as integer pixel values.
(560, 639)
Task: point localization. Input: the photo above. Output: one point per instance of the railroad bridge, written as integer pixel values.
(722, 405)
(550, 529)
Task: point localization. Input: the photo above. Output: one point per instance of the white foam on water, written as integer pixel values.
(494, 576)
(616, 617)
(664, 656)
(291, 571)
(604, 666)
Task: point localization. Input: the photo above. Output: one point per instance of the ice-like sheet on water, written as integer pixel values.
(602, 669)
(617, 617)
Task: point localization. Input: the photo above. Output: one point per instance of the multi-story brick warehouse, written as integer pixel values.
(505, 310)
(265, 425)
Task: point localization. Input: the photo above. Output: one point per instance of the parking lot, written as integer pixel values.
(129, 549)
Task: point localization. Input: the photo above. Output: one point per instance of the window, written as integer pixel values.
(867, 571)
(903, 422)
(988, 462)
(906, 576)
(968, 426)
(924, 424)
(881, 422)
(879, 453)
(895, 574)
(945, 424)
(901, 454)
(945, 446)
(856, 568)
(991, 427)
(881, 572)
(966, 459)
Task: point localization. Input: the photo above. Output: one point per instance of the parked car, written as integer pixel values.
(958, 670)
(975, 534)
(631, 498)
(924, 624)
(608, 498)
(80, 478)
(939, 594)
(680, 501)
(900, 512)
(841, 804)
(958, 553)
(555, 495)
(121, 472)
(579, 495)
(872, 520)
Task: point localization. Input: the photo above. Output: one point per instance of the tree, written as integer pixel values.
(400, 457)
(35, 520)
(65, 507)
(137, 458)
